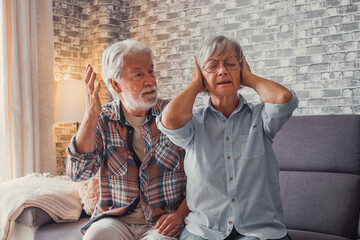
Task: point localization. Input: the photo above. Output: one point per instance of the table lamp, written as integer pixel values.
(70, 101)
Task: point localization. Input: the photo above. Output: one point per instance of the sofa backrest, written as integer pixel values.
(319, 158)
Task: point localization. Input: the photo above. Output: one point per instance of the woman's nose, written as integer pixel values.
(222, 69)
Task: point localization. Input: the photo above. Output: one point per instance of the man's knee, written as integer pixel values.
(97, 232)
(107, 229)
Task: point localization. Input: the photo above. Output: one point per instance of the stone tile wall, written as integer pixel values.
(311, 46)
(82, 30)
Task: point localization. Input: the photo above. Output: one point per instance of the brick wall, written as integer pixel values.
(82, 30)
(311, 46)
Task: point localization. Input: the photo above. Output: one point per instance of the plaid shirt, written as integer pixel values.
(158, 181)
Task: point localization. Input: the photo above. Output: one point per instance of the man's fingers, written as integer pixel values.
(88, 74)
(164, 224)
(97, 89)
(87, 67)
(160, 222)
(91, 82)
(175, 233)
(172, 229)
(179, 232)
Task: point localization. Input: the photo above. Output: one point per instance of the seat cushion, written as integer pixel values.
(61, 231)
(321, 202)
(34, 217)
(303, 235)
(328, 143)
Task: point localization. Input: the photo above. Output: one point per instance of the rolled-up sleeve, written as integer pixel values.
(82, 166)
(181, 137)
(276, 115)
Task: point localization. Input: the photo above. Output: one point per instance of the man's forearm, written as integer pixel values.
(86, 135)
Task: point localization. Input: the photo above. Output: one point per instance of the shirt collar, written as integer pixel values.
(117, 112)
(242, 102)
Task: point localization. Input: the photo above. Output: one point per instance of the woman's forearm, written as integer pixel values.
(179, 111)
(269, 91)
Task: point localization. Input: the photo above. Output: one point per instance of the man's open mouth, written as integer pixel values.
(150, 92)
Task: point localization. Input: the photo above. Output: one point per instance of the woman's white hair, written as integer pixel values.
(113, 60)
(217, 46)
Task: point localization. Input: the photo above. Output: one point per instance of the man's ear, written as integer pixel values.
(115, 85)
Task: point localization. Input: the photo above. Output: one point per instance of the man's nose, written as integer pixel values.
(222, 69)
(150, 79)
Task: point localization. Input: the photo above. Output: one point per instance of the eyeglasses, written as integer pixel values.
(212, 65)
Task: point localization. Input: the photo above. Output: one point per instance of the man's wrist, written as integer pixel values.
(90, 119)
(182, 212)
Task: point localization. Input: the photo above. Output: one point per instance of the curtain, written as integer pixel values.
(26, 88)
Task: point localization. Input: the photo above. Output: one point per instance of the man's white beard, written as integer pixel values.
(140, 103)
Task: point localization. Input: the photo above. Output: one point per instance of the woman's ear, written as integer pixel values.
(115, 85)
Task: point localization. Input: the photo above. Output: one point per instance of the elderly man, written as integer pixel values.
(232, 189)
(142, 181)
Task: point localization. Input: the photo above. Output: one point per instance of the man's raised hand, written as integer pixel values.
(93, 104)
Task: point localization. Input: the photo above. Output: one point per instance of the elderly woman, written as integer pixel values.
(232, 173)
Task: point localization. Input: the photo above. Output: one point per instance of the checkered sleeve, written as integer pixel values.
(83, 166)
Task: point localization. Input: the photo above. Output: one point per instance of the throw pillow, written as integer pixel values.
(89, 193)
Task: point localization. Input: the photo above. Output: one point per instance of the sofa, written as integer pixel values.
(319, 159)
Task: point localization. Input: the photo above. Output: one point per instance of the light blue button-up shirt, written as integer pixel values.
(232, 172)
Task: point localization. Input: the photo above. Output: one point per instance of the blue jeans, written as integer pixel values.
(186, 235)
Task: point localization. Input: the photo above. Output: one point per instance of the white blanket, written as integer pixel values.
(58, 196)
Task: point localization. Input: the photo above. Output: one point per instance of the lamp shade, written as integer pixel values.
(70, 101)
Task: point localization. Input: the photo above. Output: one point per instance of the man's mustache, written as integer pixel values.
(149, 89)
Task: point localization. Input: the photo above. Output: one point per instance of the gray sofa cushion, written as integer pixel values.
(321, 202)
(34, 217)
(320, 143)
(61, 231)
(302, 235)
(319, 159)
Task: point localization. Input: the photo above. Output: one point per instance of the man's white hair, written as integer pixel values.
(113, 60)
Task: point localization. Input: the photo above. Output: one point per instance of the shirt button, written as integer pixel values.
(228, 157)
(230, 222)
(229, 230)
(223, 120)
(231, 179)
(233, 199)
(227, 138)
